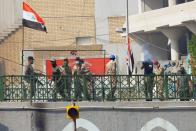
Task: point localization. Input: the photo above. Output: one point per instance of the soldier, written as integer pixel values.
(77, 69)
(173, 70)
(57, 73)
(148, 79)
(87, 80)
(30, 76)
(111, 71)
(67, 78)
(184, 85)
(159, 79)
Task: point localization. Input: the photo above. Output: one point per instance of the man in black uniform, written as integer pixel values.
(148, 79)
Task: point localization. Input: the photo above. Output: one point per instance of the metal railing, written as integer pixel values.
(96, 88)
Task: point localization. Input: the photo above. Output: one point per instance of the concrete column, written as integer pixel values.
(171, 2)
(191, 26)
(173, 34)
(140, 6)
(174, 49)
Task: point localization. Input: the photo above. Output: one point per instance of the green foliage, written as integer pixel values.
(192, 50)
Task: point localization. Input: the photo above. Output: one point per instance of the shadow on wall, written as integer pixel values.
(38, 121)
(2, 67)
(3, 127)
(81, 129)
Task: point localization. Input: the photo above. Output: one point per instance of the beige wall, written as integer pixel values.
(10, 53)
(116, 22)
(65, 20)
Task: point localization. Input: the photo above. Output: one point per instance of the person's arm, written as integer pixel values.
(87, 64)
(160, 71)
(115, 67)
(38, 72)
(26, 70)
(190, 86)
(143, 65)
(177, 86)
(107, 69)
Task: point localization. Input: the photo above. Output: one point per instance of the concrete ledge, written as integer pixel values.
(98, 105)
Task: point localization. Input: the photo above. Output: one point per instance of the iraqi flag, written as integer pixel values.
(130, 59)
(31, 19)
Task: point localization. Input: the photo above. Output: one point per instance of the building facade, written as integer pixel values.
(83, 24)
(162, 28)
(70, 25)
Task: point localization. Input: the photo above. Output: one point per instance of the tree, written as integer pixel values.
(192, 51)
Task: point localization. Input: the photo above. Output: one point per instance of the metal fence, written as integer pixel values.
(96, 88)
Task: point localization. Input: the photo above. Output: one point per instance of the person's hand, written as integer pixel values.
(177, 92)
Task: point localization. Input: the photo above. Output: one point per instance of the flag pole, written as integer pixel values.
(22, 49)
(127, 31)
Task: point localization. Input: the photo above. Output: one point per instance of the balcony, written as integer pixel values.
(93, 88)
(170, 16)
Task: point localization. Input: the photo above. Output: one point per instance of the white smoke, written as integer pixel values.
(147, 54)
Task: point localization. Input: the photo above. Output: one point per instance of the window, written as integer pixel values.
(84, 40)
(180, 1)
(165, 3)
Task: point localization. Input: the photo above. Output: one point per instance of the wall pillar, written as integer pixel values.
(173, 34)
(191, 26)
(171, 2)
(140, 6)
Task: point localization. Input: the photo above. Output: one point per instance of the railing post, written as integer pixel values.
(194, 87)
(165, 86)
(12, 92)
(1, 88)
(64, 77)
(103, 89)
(84, 86)
(120, 90)
(174, 85)
(93, 87)
(157, 88)
(138, 86)
(46, 91)
(21, 87)
(129, 87)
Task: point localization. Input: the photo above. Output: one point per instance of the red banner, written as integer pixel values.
(95, 65)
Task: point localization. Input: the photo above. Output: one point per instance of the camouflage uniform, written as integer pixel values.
(68, 80)
(159, 81)
(111, 71)
(183, 85)
(59, 82)
(77, 82)
(87, 82)
(31, 79)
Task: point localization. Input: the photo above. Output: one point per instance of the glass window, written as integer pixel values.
(180, 1)
(165, 3)
(84, 40)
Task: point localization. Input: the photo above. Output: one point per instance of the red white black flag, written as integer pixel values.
(131, 60)
(31, 19)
